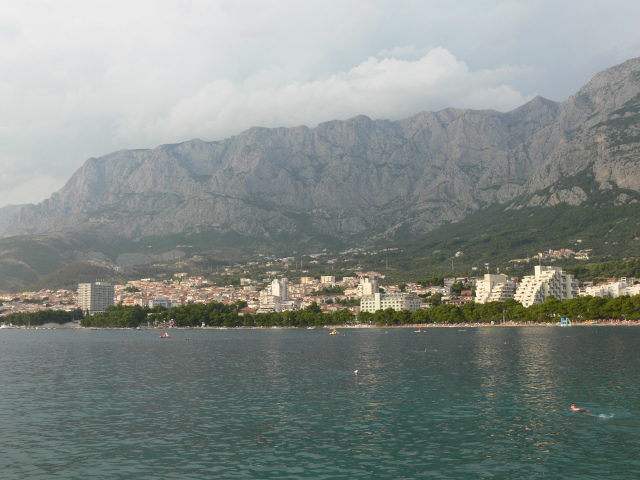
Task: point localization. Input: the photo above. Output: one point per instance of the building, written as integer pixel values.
(273, 297)
(280, 289)
(368, 286)
(397, 301)
(95, 297)
(269, 303)
(494, 288)
(611, 289)
(546, 281)
(160, 302)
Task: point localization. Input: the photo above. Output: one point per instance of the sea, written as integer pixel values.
(447, 403)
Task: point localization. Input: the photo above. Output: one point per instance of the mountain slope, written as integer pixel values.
(356, 181)
(341, 178)
(359, 176)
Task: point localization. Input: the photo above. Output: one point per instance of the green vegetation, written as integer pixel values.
(220, 315)
(608, 224)
(606, 270)
(496, 236)
(42, 317)
(335, 290)
(213, 314)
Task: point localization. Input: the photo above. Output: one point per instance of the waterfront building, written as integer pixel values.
(397, 301)
(273, 297)
(546, 281)
(494, 288)
(95, 297)
(610, 289)
(269, 303)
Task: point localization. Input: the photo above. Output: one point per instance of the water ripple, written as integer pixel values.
(486, 403)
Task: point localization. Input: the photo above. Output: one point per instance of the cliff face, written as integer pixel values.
(358, 176)
(6, 213)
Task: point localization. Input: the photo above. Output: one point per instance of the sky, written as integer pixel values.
(81, 79)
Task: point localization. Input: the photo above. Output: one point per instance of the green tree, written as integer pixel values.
(435, 299)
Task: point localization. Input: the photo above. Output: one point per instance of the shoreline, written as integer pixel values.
(602, 323)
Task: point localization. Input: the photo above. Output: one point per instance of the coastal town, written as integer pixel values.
(362, 291)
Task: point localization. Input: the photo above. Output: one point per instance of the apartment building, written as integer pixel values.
(397, 301)
(494, 288)
(368, 286)
(95, 297)
(546, 281)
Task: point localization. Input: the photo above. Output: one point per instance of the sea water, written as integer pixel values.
(449, 403)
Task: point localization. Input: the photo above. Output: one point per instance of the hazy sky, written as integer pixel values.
(81, 79)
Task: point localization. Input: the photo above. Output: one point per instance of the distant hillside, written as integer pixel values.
(347, 183)
(6, 213)
(69, 276)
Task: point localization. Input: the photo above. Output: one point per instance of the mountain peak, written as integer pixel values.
(353, 179)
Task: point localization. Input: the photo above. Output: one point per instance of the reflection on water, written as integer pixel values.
(480, 403)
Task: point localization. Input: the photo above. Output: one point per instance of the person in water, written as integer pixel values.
(576, 409)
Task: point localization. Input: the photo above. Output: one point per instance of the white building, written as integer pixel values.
(95, 297)
(546, 281)
(397, 301)
(494, 288)
(160, 301)
(611, 289)
(269, 303)
(368, 286)
(280, 289)
(273, 297)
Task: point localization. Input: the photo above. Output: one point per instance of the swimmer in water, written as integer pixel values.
(576, 409)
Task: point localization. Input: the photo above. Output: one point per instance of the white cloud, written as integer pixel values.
(385, 88)
(81, 79)
(407, 52)
(36, 188)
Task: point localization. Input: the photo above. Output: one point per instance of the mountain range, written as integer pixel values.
(353, 182)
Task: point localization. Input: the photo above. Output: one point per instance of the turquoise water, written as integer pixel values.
(481, 403)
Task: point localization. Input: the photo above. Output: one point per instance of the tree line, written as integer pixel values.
(213, 315)
(221, 315)
(42, 317)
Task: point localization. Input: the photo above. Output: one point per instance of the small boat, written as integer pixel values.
(419, 330)
(335, 332)
(164, 335)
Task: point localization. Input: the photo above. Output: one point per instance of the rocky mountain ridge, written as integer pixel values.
(359, 178)
(6, 213)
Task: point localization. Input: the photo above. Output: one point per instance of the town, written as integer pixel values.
(363, 291)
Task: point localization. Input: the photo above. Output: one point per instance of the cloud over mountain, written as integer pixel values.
(379, 88)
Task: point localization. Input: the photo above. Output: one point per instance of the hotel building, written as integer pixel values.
(546, 281)
(95, 297)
